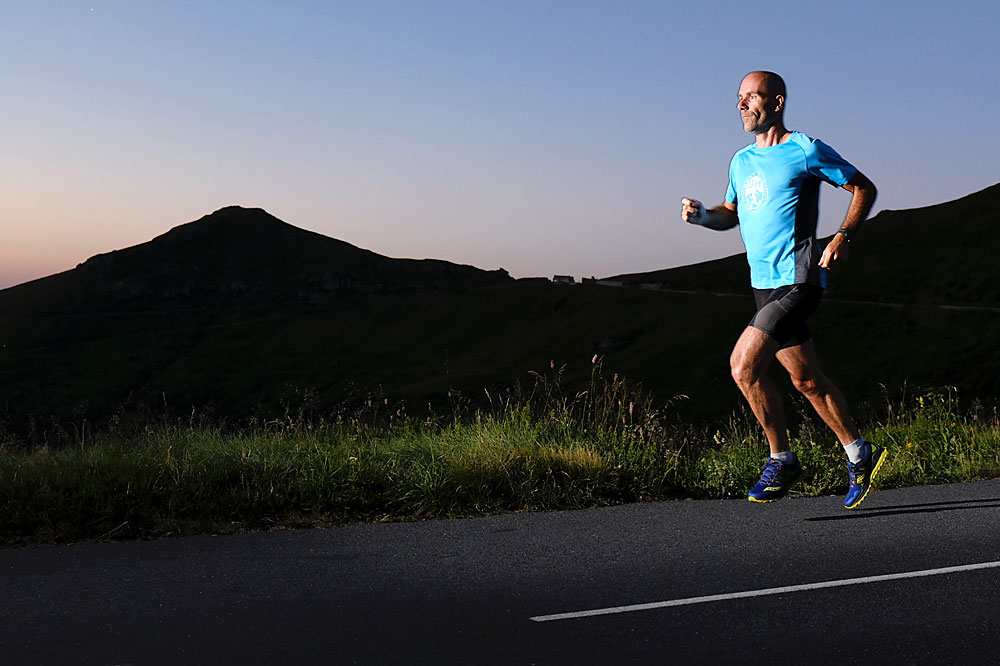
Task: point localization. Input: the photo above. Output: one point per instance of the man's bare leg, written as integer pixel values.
(748, 364)
(803, 368)
(866, 458)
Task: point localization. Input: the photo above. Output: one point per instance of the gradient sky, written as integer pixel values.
(542, 137)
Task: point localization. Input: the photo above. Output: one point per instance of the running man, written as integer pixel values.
(773, 195)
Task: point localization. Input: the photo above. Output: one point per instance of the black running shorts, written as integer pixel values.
(782, 312)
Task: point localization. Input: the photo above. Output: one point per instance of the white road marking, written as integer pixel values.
(765, 592)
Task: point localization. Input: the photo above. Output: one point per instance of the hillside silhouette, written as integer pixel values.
(242, 314)
(242, 255)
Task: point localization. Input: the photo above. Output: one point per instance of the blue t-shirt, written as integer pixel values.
(776, 192)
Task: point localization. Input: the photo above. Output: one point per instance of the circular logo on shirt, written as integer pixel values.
(755, 192)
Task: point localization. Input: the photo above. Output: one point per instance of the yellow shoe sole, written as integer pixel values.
(871, 481)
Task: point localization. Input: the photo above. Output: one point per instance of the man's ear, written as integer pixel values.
(779, 102)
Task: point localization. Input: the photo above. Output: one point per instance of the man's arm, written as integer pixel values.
(719, 218)
(864, 193)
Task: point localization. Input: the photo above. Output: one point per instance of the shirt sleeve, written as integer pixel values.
(824, 162)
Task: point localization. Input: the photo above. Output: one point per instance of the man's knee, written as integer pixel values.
(806, 385)
(750, 357)
(744, 370)
(812, 383)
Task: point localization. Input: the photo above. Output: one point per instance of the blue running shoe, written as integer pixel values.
(862, 473)
(775, 480)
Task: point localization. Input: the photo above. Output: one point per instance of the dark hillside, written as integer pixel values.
(240, 311)
(127, 324)
(937, 255)
(235, 255)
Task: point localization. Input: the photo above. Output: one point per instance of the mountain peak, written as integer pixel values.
(247, 253)
(237, 214)
(236, 210)
(233, 219)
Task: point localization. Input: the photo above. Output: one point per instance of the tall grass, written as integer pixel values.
(533, 448)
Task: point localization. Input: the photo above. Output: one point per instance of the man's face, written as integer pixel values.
(758, 108)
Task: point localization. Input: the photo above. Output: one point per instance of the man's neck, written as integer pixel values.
(773, 136)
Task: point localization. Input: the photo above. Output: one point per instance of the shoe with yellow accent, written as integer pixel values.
(862, 473)
(775, 479)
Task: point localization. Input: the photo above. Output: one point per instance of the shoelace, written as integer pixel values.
(770, 471)
(855, 473)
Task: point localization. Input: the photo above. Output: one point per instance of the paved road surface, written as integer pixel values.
(465, 591)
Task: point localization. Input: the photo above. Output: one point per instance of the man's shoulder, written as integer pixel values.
(809, 145)
(743, 152)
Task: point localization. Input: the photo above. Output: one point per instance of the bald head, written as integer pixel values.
(772, 83)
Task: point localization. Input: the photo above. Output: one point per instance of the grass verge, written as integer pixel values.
(534, 450)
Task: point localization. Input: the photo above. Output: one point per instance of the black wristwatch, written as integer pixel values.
(845, 233)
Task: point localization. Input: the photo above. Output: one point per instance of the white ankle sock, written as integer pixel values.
(784, 456)
(855, 449)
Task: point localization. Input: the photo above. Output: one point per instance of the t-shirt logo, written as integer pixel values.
(755, 192)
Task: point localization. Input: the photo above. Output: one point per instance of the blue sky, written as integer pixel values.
(541, 137)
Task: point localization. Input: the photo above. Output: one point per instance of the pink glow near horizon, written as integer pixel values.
(553, 138)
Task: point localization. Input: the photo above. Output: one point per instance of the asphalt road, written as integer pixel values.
(466, 591)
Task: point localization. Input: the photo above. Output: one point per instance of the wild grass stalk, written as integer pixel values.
(538, 447)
